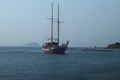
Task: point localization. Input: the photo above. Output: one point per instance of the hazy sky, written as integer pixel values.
(85, 22)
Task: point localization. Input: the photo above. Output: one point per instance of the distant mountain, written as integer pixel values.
(32, 44)
(115, 45)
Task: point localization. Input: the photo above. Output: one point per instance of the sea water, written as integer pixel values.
(30, 63)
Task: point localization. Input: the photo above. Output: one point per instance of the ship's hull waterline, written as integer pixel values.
(55, 51)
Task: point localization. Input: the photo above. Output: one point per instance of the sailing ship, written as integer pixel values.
(53, 46)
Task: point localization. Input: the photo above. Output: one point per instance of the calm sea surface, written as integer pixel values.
(21, 63)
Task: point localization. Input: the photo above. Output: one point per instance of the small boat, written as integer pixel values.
(53, 46)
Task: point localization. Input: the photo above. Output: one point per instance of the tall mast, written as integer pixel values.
(52, 24)
(58, 24)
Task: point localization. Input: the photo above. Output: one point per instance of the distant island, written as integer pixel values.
(114, 46)
(32, 44)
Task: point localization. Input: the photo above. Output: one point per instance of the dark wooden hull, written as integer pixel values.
(59, 50)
